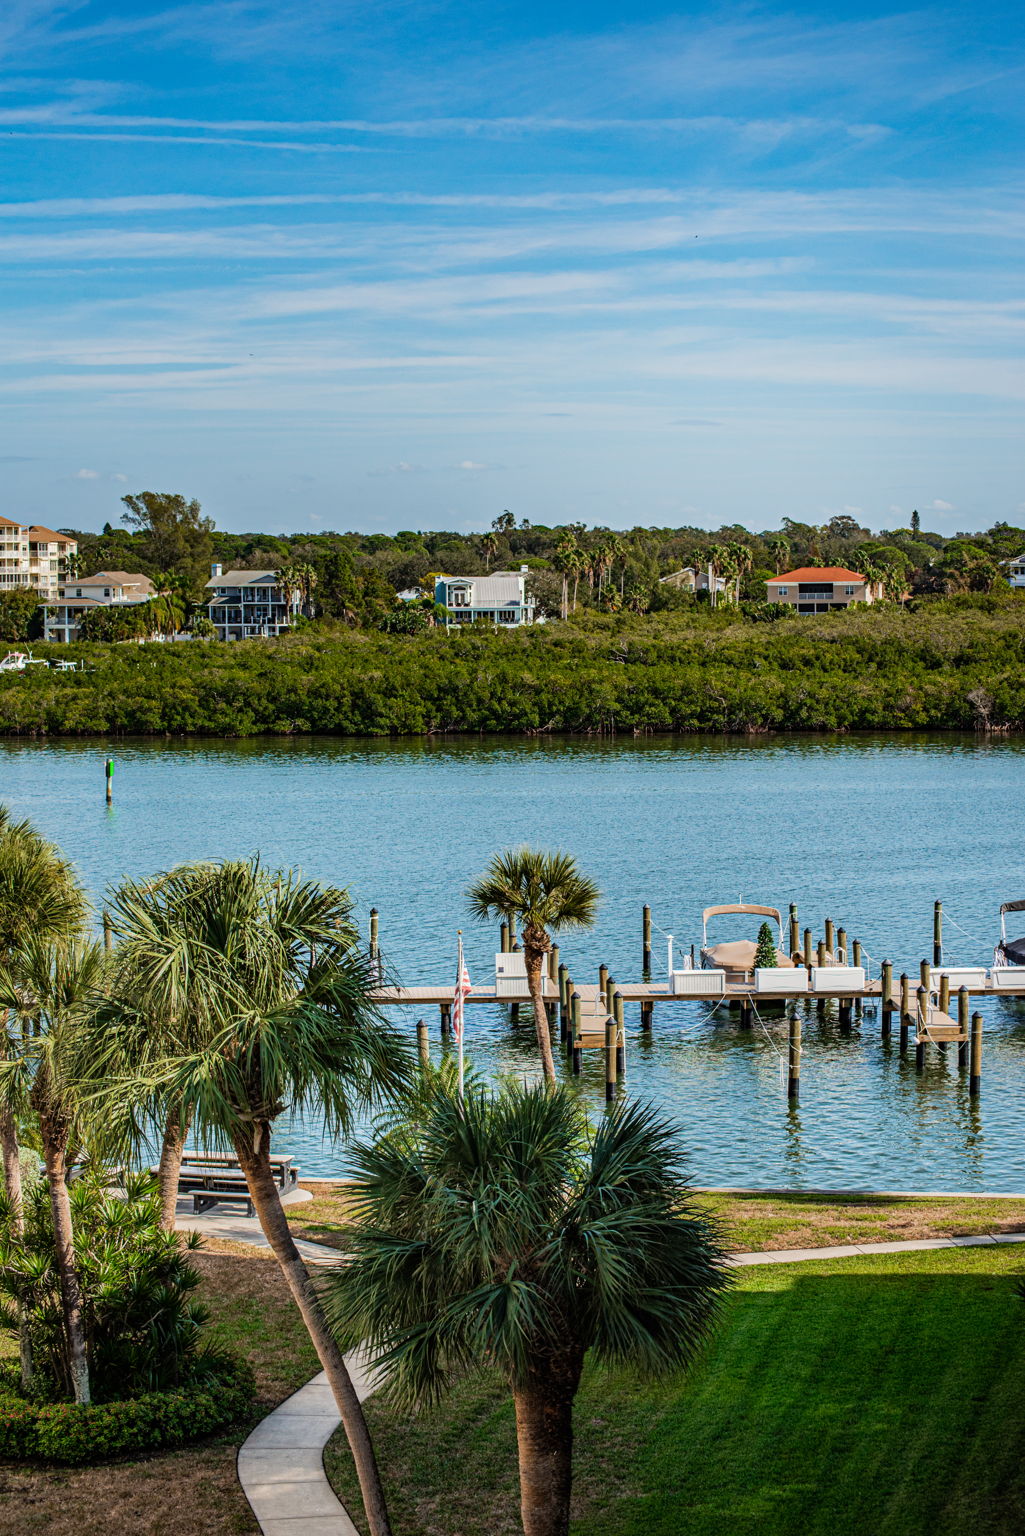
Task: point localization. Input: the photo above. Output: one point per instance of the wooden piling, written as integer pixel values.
(503, 940)
(856, 961)
(794, 1060)
(564, 993)
(746, 1017)
(937, 933)
(617, 1013)
(575, 1035)
(646, 943)
(905, 1011)
(647, 1014)
(610, 990)
(925, 975)
(975, 1071)
(830, 939)
(922, 996)
(423, 1043)
(807, 949)
(795, 932)
(944, 994)
(887, 999)
(514, 1013)
(446, 1019)
(603, 979)
(553, 963)
(964, 1004)
(610, 1059)
(844, 1013)
(513, 940)
(841, 946)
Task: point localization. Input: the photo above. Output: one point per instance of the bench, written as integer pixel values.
(285, 1169)
(206, 1199)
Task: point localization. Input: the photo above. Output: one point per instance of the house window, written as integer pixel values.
(782, 591)
(849, 591)
(78, 591)
(459, 597)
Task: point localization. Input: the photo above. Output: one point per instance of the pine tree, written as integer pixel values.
(765, 954)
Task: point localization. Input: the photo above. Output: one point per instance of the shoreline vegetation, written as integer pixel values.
(946, 664)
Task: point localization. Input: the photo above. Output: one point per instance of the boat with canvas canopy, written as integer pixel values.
(1009, 951)
(737, 956)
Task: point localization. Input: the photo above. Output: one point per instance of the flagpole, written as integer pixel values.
(462, 1011)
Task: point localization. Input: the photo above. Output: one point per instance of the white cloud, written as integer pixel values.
(121, 479)
(87, 474)
(941, 506)
(469, 464)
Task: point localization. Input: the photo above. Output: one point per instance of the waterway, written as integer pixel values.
(868, 831)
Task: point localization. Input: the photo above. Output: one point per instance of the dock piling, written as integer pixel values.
(886, 984)
(794, 1060)
(841, 946)
(964, 1003)
(109, 766)
(564, 992)
(423, 1044)
(503, 939)
(830, 939)
(795, 932)
(844, 1013)
(923, 1016)
(647, 1014)
(808, 962)
(905, 1011)
(610, 1059)
(446, 1019)
(937, 933)
(575, 1052)
(975, 1071)
(617, 1013)
(646, 944)
(925, 975)
(553, 963)
(746, 1016)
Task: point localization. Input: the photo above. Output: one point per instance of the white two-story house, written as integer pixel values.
(1015, 570)
(249, 605)
(106, 589)
(500, 598)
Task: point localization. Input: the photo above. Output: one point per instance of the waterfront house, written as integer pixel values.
(249, 605)
(818, 589)
(105, 589)
(1015, 571)
(500, 598)
(33, 556)
(695, 579)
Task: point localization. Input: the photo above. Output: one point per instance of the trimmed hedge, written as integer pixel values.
(65, 1432)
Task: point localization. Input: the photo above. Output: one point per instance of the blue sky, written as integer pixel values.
(388, 265)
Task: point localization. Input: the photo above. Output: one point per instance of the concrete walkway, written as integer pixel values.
(281, 1465)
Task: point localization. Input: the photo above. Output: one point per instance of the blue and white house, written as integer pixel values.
(500, 598)
(1015, 571)
(249, 605)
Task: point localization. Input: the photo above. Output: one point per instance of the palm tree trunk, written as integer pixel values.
(12, 1166)
(535, 961)
(64, 1242)
(565, 595)
(544, 1437)
(172, 1148)
(255, 1164)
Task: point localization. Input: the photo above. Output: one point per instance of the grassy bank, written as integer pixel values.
(874, 1395)
(756, 1222)
(944, 667)
(195, 1490)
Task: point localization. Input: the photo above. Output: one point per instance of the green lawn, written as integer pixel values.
(864, 1397)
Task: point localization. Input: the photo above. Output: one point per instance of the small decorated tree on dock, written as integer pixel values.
(765, 954)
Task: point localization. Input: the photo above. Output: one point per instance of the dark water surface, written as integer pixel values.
(868, 831)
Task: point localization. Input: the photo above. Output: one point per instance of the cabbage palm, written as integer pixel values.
(288, 1023)
(544, 892)
(50, 988)
(39, 897)
(505, 1232)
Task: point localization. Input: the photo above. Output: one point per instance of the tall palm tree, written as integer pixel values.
(505, 1232)
(39, 897)
(740, 556)
(779, 549)
(51, 989)
(489, 547)
(290, 1024)
(564, 560)
(719, 564)
(544, 892)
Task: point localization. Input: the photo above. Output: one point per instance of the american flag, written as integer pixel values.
(462, 991)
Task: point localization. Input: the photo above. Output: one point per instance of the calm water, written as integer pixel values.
(868, 832)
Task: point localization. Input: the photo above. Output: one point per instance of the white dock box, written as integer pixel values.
(511, 975)
(781, 978)
(838, 978)
(959, 976)
(1008, 976)
(699, 983)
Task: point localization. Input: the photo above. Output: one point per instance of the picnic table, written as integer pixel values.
(216, 1178)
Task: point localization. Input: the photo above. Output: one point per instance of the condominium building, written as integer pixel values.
(33, 556)
(820, 588)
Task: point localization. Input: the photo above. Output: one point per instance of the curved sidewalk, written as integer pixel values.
(281, 1465)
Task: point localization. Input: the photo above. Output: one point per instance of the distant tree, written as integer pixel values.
(489, 548)
(177, 537)
(18, 608)
(203, 628)
(916, 523)
(765, 953)
(779, 549)
(504, 522)
(405, 619)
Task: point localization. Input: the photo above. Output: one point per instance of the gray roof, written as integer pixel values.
(243, 578)
(110, 579)
(489, 591)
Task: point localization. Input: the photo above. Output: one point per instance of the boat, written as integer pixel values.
(737, 956)
(1009, 951)
(14, 661)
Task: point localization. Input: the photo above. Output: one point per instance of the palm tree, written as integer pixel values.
(289, 1023)
(39, 897)
(740, 556)
(504, 1232)
(719, 564)
(544, 892)
(564, 560)
(51, 988)
(489, 548)
(779, 549)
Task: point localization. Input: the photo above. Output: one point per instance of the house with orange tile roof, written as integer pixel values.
(821, 588)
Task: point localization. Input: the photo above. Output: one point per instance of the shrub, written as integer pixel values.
(765, 954)
(65, 1432)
